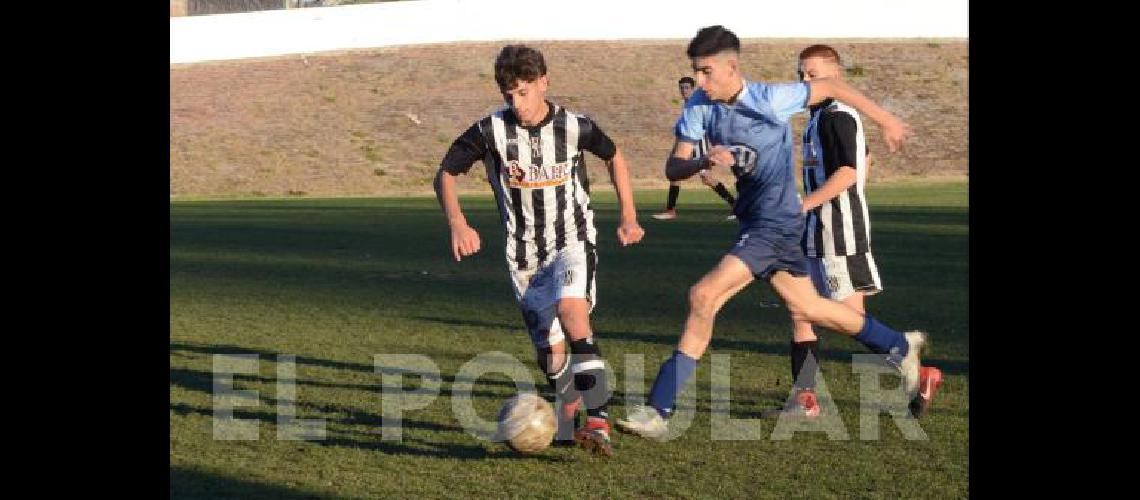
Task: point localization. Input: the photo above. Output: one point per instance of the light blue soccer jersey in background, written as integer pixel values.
(756, 129)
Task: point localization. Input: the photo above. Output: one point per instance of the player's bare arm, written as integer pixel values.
(895, 131)
(840, 181)
(629, 231)
(464, 239)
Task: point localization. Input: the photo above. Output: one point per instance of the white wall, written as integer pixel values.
(299, 31)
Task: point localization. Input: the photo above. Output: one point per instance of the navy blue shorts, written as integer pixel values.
(766, 251)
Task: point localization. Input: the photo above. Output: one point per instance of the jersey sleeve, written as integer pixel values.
(837, 132)
(591, 138)
(464, 152)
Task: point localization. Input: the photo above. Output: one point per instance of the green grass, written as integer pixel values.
(336, 281)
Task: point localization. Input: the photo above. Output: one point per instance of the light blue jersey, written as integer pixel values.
(756, 129)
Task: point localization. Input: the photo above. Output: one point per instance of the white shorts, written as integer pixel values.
(567, 273)
(838, 277)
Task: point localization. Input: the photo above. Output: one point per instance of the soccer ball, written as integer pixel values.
(527, 423)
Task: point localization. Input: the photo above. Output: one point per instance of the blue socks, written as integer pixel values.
(882, 340)
(879, 338)
(670, 378)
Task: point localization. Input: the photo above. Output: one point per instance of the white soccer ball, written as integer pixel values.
(527, 423)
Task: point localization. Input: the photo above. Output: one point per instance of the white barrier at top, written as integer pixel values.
(303, 31)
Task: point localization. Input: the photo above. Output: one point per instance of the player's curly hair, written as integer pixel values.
(518, 63)
(712, 40)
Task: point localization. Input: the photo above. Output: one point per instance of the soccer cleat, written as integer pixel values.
(645, 422)
(803, 405)
(594, 437)
(666, 215)
(909, 366)
(929, 380)
(730, 217)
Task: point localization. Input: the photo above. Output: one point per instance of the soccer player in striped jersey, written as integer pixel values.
(747, 124)
(837, 234)
(686, 84)
(533, 152)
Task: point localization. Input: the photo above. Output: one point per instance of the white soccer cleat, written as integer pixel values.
(645, 422)
(911, 364)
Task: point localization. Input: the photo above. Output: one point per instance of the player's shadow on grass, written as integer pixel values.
(355, 417)
(187, 483)
(337, 416)
(201, 381)
(348, 438)
(501, 326)
(345, 415)
(439, 450)
(177, 348)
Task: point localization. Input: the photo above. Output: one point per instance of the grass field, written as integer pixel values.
(334, 282)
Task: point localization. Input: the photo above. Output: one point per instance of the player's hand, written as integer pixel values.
(720, 156)
(464, 241)
(630, 232)
(707, 178)
(896, 131)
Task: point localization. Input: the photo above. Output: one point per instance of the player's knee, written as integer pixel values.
(574, 316)
(855, 301)
(701, 300)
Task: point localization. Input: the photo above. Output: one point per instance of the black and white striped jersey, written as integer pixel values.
(701, 149)
(833, 139)
(538, 176)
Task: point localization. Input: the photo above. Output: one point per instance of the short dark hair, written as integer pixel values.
(687, 79)
(820, 50)
(518, 63)
(712, 40)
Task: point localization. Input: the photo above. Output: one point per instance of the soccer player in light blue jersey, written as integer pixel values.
(747, 125)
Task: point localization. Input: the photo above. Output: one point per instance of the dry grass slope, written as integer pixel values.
(378, 121)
